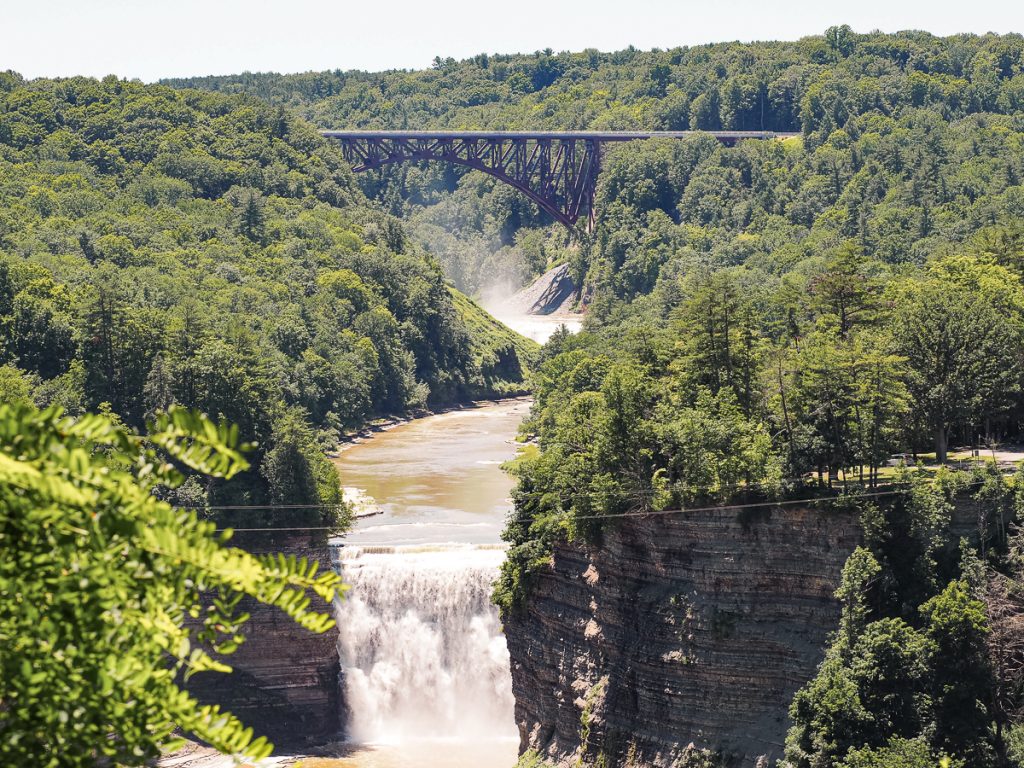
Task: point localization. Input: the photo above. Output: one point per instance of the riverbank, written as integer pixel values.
(526, 324)
(195, 755)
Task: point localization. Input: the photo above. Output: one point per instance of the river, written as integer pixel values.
(426, 669)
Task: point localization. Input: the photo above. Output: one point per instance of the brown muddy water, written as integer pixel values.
(437, 479)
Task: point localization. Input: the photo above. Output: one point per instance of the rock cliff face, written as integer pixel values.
(678, 633)
(285, 683)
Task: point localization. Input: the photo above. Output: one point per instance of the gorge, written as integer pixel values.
(762, 509)
(677, 631)
(675, 639)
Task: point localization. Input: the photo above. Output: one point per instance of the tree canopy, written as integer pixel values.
(161, 247)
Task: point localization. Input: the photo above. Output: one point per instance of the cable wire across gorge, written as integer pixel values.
(835, 499)
(557, 170)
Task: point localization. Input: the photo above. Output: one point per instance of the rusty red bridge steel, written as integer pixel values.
(556, 169)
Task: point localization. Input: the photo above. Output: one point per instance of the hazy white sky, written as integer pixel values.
(150, 40)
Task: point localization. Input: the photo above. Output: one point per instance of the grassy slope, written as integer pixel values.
(497, 350)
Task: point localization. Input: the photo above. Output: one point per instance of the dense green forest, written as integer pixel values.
(923, 665)
(776, 319)
(814, 85)
(770, 320)
(162, 247)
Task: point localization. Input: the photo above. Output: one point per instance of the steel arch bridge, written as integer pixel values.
(555, 169)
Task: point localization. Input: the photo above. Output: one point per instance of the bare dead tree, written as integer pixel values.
(1005, 604)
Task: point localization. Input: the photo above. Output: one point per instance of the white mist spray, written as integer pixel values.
(421, 647)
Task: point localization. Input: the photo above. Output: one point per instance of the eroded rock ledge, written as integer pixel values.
(679, 633)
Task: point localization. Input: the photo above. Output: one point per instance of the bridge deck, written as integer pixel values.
(565, 135)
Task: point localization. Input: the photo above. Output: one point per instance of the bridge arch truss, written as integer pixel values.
(557, 170)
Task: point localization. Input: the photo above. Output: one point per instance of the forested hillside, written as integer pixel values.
(780, 329)
(161, 246)
(814, 85)
(819, 302)
(776, 320)
(810, 85)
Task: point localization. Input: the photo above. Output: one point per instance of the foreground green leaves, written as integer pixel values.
(101, 586)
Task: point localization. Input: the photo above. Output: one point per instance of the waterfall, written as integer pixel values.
(422, 652)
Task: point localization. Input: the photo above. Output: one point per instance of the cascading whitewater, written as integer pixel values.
(421, 647)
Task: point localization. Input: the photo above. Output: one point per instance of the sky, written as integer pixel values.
(150, 40)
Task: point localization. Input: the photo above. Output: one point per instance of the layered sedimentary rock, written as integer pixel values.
(678, 633)
(285, 683)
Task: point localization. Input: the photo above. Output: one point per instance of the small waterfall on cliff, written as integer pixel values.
(422, 652)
